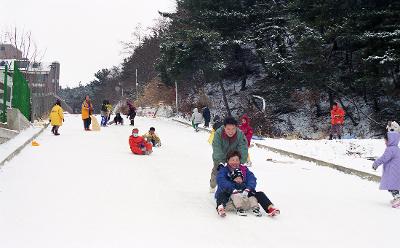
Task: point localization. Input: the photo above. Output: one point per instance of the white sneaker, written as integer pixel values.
(221, 211)
(212, 190)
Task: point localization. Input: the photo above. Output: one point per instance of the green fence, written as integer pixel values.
(5, 92)
(14, 92)
(21, 97)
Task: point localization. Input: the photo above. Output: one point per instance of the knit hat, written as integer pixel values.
(135, 132)
(236, 173)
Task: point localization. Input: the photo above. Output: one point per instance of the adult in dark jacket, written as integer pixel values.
(131, 113)
(226, 139)
(206, 116)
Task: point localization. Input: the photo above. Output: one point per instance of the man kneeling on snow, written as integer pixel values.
(138, 144)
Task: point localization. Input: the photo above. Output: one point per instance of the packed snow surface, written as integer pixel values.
(86, 189)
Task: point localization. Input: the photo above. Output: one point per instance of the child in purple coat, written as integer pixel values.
(391, 167)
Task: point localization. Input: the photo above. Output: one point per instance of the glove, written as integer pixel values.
(374, 166)
(245, 193)
(235, 191)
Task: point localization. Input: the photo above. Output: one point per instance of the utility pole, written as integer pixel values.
(176, 96)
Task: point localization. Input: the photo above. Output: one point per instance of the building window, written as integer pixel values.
(2, 48)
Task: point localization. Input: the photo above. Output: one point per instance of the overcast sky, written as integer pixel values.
(84, 36)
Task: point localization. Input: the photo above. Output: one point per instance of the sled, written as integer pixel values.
(95, 123)
(257, 137)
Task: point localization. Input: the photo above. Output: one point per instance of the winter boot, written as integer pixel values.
(241, 212)
(395, 202)
(273, 212)
(221, 211)
(256, 211)
(52, 130)
(132, 122)
(330, 137)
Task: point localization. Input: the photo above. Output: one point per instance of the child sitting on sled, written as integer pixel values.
(237, 190)
(138, 144)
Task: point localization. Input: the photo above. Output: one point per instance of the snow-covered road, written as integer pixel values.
(86, 189)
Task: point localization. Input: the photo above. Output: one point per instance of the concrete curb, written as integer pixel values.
(19, 149)
(361, 174)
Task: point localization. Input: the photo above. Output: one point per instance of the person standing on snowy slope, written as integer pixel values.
(56, 117)
(237, 190)
(391, 167)
(206, 116)
(196, 119)
(131, 113)
(337, 121)
(227, 138)
(138, 144)
(109, 110)
(246, 128)
(247, 131)
(87, 109)
(104, 113)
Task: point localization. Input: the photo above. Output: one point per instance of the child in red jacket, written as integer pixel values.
(248, 132)
(138, 144)
(246, 128)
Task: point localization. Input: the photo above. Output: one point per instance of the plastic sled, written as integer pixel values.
(95, 123)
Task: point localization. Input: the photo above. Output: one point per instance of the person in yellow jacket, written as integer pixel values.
(152, 137)
(56, 117)
(109, 110)
(87, 109)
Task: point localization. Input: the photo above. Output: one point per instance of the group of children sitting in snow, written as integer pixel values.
(143, 145)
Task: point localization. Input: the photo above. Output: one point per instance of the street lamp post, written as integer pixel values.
(137, 95)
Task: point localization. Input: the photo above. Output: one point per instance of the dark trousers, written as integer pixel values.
(104, 120)
(55, 129)
(262, 199)
(395, 193)
(206, 123)
(223, 198)
(86, 123)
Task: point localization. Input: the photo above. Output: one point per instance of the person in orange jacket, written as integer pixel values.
(138, 144)
(337, 121)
